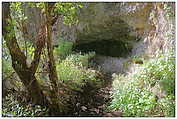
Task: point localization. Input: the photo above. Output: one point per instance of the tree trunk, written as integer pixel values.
(51, 64)
(25, 73)
(58, 99)
(53, 74)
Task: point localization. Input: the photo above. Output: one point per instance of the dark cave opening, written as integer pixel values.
(113, 48)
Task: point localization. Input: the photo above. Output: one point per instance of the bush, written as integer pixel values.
(131, 99)
(159, 70)
(74, 73)
(81, 59)
(64, 49)
(133, 93)
(167, 106)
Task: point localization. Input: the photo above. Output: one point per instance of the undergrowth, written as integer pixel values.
(149, 92)
(64, 49)
(13, 108)
(74, 71)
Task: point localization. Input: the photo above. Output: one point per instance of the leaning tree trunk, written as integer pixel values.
(26, 73)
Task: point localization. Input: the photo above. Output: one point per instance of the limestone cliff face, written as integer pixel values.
(102, 21)
(110, 21)
(114, 21)
(98, 21)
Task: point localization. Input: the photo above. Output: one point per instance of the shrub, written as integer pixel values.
(81, 59)
(133, 92)
(167, 106)
(159, 70)
(64, 49)
(73, 71)
(131, 99)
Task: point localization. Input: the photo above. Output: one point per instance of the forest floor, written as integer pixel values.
(96, 104)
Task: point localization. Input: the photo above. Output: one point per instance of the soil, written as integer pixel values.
(94, 104)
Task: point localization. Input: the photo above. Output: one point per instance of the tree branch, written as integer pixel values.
(40, 43)
(18, 57)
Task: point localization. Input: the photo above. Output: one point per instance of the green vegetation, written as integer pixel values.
(7, 69)
(64, 49)
(136, 95)
(159, 70)
(41, 78)
(74, 73)
(12, 108)
(73, 68)
(133, 101)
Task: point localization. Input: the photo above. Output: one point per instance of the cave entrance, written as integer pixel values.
(113, 48)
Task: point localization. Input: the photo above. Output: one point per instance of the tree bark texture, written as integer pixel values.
(19, 64)
(57, 105)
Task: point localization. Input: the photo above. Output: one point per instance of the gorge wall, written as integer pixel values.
(140, 27)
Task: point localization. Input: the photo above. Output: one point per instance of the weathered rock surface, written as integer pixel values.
(114, 21)
(109, 21)
(99, 21)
